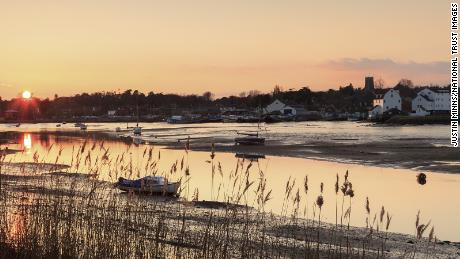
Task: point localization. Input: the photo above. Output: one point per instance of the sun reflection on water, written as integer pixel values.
(27, 142)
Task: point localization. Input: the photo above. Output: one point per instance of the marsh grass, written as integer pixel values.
(70, 215)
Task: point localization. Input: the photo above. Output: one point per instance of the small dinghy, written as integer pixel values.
(250, 139)
(148, 185)
(137, 130)
(250, 156)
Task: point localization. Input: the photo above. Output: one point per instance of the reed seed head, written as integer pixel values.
(320, 201)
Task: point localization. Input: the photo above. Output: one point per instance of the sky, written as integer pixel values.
(66, 47)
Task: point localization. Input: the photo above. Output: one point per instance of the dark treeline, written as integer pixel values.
(127, 103)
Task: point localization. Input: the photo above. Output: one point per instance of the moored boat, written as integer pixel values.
(148, 185)
(137, 130)
(250, 156)
(250, 139)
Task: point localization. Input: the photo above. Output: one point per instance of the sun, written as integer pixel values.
(26, 95)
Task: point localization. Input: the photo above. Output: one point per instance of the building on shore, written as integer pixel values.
(431, 101)
(289, 110)
(388, 99)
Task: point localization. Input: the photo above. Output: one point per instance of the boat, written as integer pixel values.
(250, 139)
(58, 125)
(250, 156)
(137, 130)
(188, 119)
(18, 125)
(148, 185)
(175, 119)
(229, 118)
(78, 124)
(117, 129)
(83, 126)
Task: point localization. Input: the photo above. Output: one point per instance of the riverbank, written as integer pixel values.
(418, 152)
(68, 214)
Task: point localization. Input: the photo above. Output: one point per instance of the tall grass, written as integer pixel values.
(45, 214)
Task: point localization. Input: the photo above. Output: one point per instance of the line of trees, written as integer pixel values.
(346, 98)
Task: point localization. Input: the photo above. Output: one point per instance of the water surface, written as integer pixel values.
(396, 189)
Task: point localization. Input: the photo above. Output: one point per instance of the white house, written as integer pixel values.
(274, 106)
(387, 99)
(111, 113)
(290, 110)
(432, 101)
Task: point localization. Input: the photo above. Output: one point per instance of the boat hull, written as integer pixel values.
(158, 189)
(250, 141)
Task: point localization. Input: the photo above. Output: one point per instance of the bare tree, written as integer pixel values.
(254, 93)
(379, 83)
(277, 90)
(208, 96)
(406, 82)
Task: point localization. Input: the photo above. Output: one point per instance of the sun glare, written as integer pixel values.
(26, 94)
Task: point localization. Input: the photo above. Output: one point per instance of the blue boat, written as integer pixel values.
(148, 185)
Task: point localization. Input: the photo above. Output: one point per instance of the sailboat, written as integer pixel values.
(250, 138)
(137, 130)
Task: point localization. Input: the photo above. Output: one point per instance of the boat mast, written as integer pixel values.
(137, 111)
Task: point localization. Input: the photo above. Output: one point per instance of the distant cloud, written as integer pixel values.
(439, 67)
(391, 71)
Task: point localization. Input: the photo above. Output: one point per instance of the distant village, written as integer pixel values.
(405, 102)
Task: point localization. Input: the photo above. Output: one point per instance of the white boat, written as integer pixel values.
(83, 127)
(148, 185)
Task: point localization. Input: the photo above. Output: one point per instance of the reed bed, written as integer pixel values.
(50, 211)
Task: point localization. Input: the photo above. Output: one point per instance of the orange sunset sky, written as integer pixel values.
(67, 47)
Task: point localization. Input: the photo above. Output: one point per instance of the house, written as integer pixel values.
(277, 105)
(290, 110)
(387, 99)
(432, 101)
